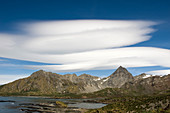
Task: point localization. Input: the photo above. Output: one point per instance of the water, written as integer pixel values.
(13, 107)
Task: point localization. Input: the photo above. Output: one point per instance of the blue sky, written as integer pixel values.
(15, 13)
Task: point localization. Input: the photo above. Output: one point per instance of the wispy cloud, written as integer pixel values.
(58, 37)
(110, 58)
(84, 45)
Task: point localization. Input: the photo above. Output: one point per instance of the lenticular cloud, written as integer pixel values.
(84, 45)
(58, 37)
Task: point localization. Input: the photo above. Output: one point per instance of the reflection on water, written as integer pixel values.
(13, 107)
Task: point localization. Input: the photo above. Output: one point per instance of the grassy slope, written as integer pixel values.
(137, 104)
(108, 92)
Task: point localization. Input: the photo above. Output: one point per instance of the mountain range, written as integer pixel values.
(44, 83)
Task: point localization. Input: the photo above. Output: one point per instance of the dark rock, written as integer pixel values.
(47, 108)
(7, 101)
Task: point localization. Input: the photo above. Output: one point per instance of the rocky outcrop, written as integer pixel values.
(49, 107)
(118, 78)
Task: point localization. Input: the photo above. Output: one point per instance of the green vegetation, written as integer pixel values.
(118, 100)
(61, 104)
(136, 104)
(108, 92)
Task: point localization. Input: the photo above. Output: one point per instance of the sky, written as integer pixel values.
(83, 36)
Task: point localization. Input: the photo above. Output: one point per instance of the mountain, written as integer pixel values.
(144, 75)
(48, 83)
(118, 78)
(42, 82)
(149, 85)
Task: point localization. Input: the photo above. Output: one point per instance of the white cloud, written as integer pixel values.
(78, 26)
(62, 37)
(109, 59)
(84, 45)
(6, 41)
(9, 65)
(4, 79)
(58, 37)
(160, 72)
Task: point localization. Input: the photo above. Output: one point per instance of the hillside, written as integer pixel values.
(136, 104)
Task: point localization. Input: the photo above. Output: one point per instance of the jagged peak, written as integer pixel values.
(38, 72)
(121, 68)
(122, 71)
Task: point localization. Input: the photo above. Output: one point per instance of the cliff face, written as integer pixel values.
(42, 82)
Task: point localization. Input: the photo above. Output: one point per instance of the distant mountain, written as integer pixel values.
(149, 84)
(48, 83)
(42, 82)
(144, 75)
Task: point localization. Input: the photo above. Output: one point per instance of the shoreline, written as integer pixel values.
(50, 97)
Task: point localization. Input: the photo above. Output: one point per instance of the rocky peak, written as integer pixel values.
(121, 68)
(38, 73)
(121, 72)
(118, 78)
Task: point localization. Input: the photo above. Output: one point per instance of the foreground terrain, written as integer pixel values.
(137, 104)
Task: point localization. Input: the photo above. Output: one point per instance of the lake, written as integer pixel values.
(14, 107)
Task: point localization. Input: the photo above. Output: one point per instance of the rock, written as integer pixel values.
(7, 101)
(59, 107)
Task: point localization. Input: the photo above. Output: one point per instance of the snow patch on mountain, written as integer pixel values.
(97, 79)
(146, 76)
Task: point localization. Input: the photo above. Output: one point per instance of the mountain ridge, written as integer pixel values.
(42, 83)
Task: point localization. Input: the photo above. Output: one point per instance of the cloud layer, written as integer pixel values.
(84, 35)
(109, 59)
(79, 45)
